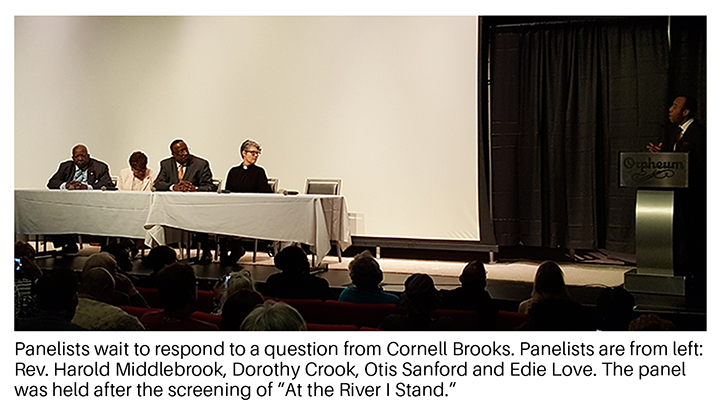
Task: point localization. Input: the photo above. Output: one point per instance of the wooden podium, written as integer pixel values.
(655, 175)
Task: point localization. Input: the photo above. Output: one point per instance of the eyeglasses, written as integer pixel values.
(253, 152)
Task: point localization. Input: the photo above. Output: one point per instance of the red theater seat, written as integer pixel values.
(151, 295)
(318, 326)
(207, 317)
(137, 311)
(464, 319)
(204, 299)
(509, 320)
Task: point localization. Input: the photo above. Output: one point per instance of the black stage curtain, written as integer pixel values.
(565, 99)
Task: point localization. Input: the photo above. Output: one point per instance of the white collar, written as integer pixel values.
(685, 125)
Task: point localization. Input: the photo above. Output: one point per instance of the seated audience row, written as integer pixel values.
(52, 301)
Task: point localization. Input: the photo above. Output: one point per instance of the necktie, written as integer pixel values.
(78, 175)
(181, 172)
(679, 135)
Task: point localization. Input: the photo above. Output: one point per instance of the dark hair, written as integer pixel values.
(473, 275)
(237, 307)
(690, 105)
(176, 286)
(139, 158)
(23, 248)
(292, 259)
(159, 257)
(365, 272)
(420, 296)
(56, 290)
(174, 142)
(121, 253)
(549, 282)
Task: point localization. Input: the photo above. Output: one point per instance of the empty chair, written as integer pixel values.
(273, 182)
(322, 186)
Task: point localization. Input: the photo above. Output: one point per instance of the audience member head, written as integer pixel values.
(177, 287)
(121, 253)
(615, 309)
(420, 296)
(24, 249)
(98, 283)
(549, 282)
(101, 259)
(238, 281)
(159, 257)
(56, 292)
(292, 259)
(651, 322)
(237, 307)
(25, 266)
(474, 276)
(80, 156)
(365, 272)
(138, 164)
(273, 315)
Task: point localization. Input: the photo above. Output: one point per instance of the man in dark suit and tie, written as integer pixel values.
(690, 218)
(184, 172)
(81, 173)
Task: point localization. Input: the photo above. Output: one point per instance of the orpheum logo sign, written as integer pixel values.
(653, 169)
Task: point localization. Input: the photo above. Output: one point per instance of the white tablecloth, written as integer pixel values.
(53, 212)
(159, 217)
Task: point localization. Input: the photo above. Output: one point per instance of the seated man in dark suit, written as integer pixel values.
(184, 172)
(80, 173)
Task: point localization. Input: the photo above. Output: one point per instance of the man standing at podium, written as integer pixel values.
(690, 218)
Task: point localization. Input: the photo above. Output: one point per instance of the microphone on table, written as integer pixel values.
(289, 192)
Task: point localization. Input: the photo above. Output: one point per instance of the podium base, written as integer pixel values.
(655, 284)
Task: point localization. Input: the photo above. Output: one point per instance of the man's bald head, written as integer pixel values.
(80, 156)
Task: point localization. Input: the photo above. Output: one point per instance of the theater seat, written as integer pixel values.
(137, 311)
(464, 319)
(318, 326)
(505, 320)
(208, 317)
(204, 301)
(370, 315)
(151, 295)
(310, 309)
